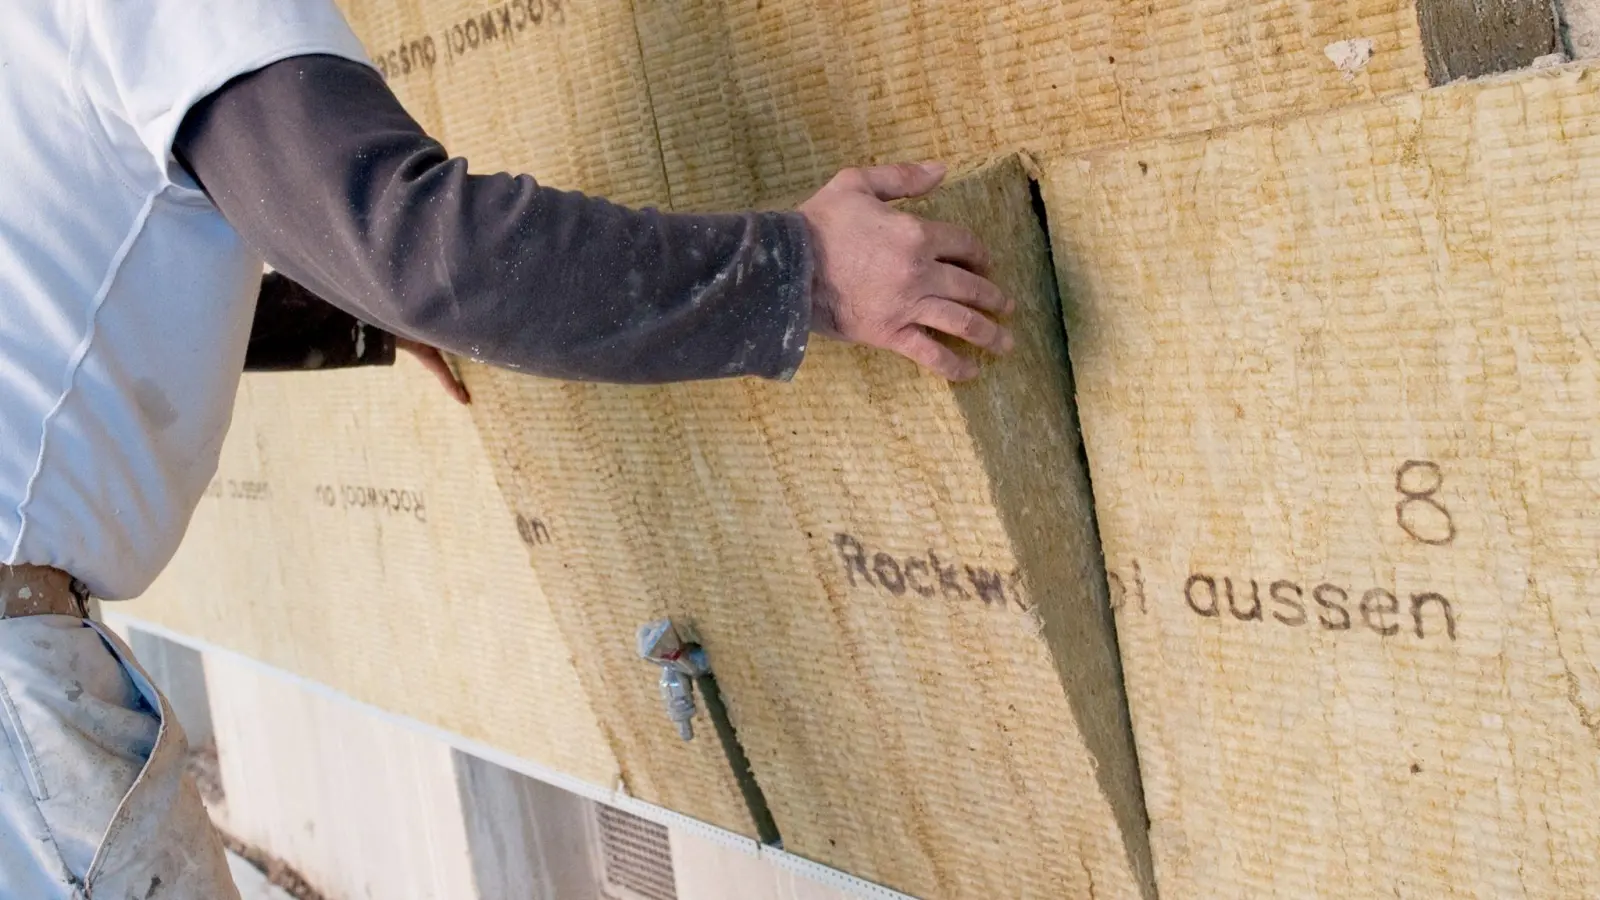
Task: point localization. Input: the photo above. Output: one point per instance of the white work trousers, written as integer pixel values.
(94, 800)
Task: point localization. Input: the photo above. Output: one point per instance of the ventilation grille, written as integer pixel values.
(637, 857)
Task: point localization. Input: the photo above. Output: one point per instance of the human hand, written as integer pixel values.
(888, 279)
(434, 362)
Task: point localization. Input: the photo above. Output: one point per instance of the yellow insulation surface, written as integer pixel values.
(756, 99)
(354, 535)
(1345, 366)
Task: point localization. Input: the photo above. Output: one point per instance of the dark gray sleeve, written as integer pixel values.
(316, 164)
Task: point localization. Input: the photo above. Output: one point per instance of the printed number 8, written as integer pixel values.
(1420, 513)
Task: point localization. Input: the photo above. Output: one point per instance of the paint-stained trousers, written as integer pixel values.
(94, 801)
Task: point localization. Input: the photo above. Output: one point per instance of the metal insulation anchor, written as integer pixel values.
(681, 662)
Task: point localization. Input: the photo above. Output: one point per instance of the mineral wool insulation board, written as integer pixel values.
(554, 88)
(756, 99)
(1339, 386)
(354, 535)
(897, 582)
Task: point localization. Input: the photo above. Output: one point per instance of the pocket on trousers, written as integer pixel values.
(161, 838)
(80, 724)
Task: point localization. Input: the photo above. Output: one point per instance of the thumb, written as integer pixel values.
(904, 180)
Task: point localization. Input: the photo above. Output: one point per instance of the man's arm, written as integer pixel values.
(316, 164)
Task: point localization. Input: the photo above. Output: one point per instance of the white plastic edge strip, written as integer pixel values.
(840, 881)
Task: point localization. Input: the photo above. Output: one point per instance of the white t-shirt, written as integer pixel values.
(125, 298)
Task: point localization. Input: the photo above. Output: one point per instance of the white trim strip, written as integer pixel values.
(844, 882)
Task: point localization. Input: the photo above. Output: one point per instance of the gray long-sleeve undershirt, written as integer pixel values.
(321, 170)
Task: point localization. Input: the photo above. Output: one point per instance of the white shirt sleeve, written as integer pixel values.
(145, 63)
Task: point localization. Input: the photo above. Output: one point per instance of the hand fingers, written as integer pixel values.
(956, 283)
(965, 323)
(918, 346)
(954, 244)
(434, 362)
(447, 378)
(901, 181)
(453, 385)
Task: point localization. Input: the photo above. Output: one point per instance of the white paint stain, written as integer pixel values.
(24, 593)
(1351, 56)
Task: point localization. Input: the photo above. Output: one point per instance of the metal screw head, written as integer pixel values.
(659, 642)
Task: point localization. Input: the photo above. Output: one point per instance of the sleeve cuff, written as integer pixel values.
(791, 244)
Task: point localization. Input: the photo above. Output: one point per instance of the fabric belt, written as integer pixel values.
(41, 591)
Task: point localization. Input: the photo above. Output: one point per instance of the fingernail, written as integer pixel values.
(1008, 342)
(935, 169)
